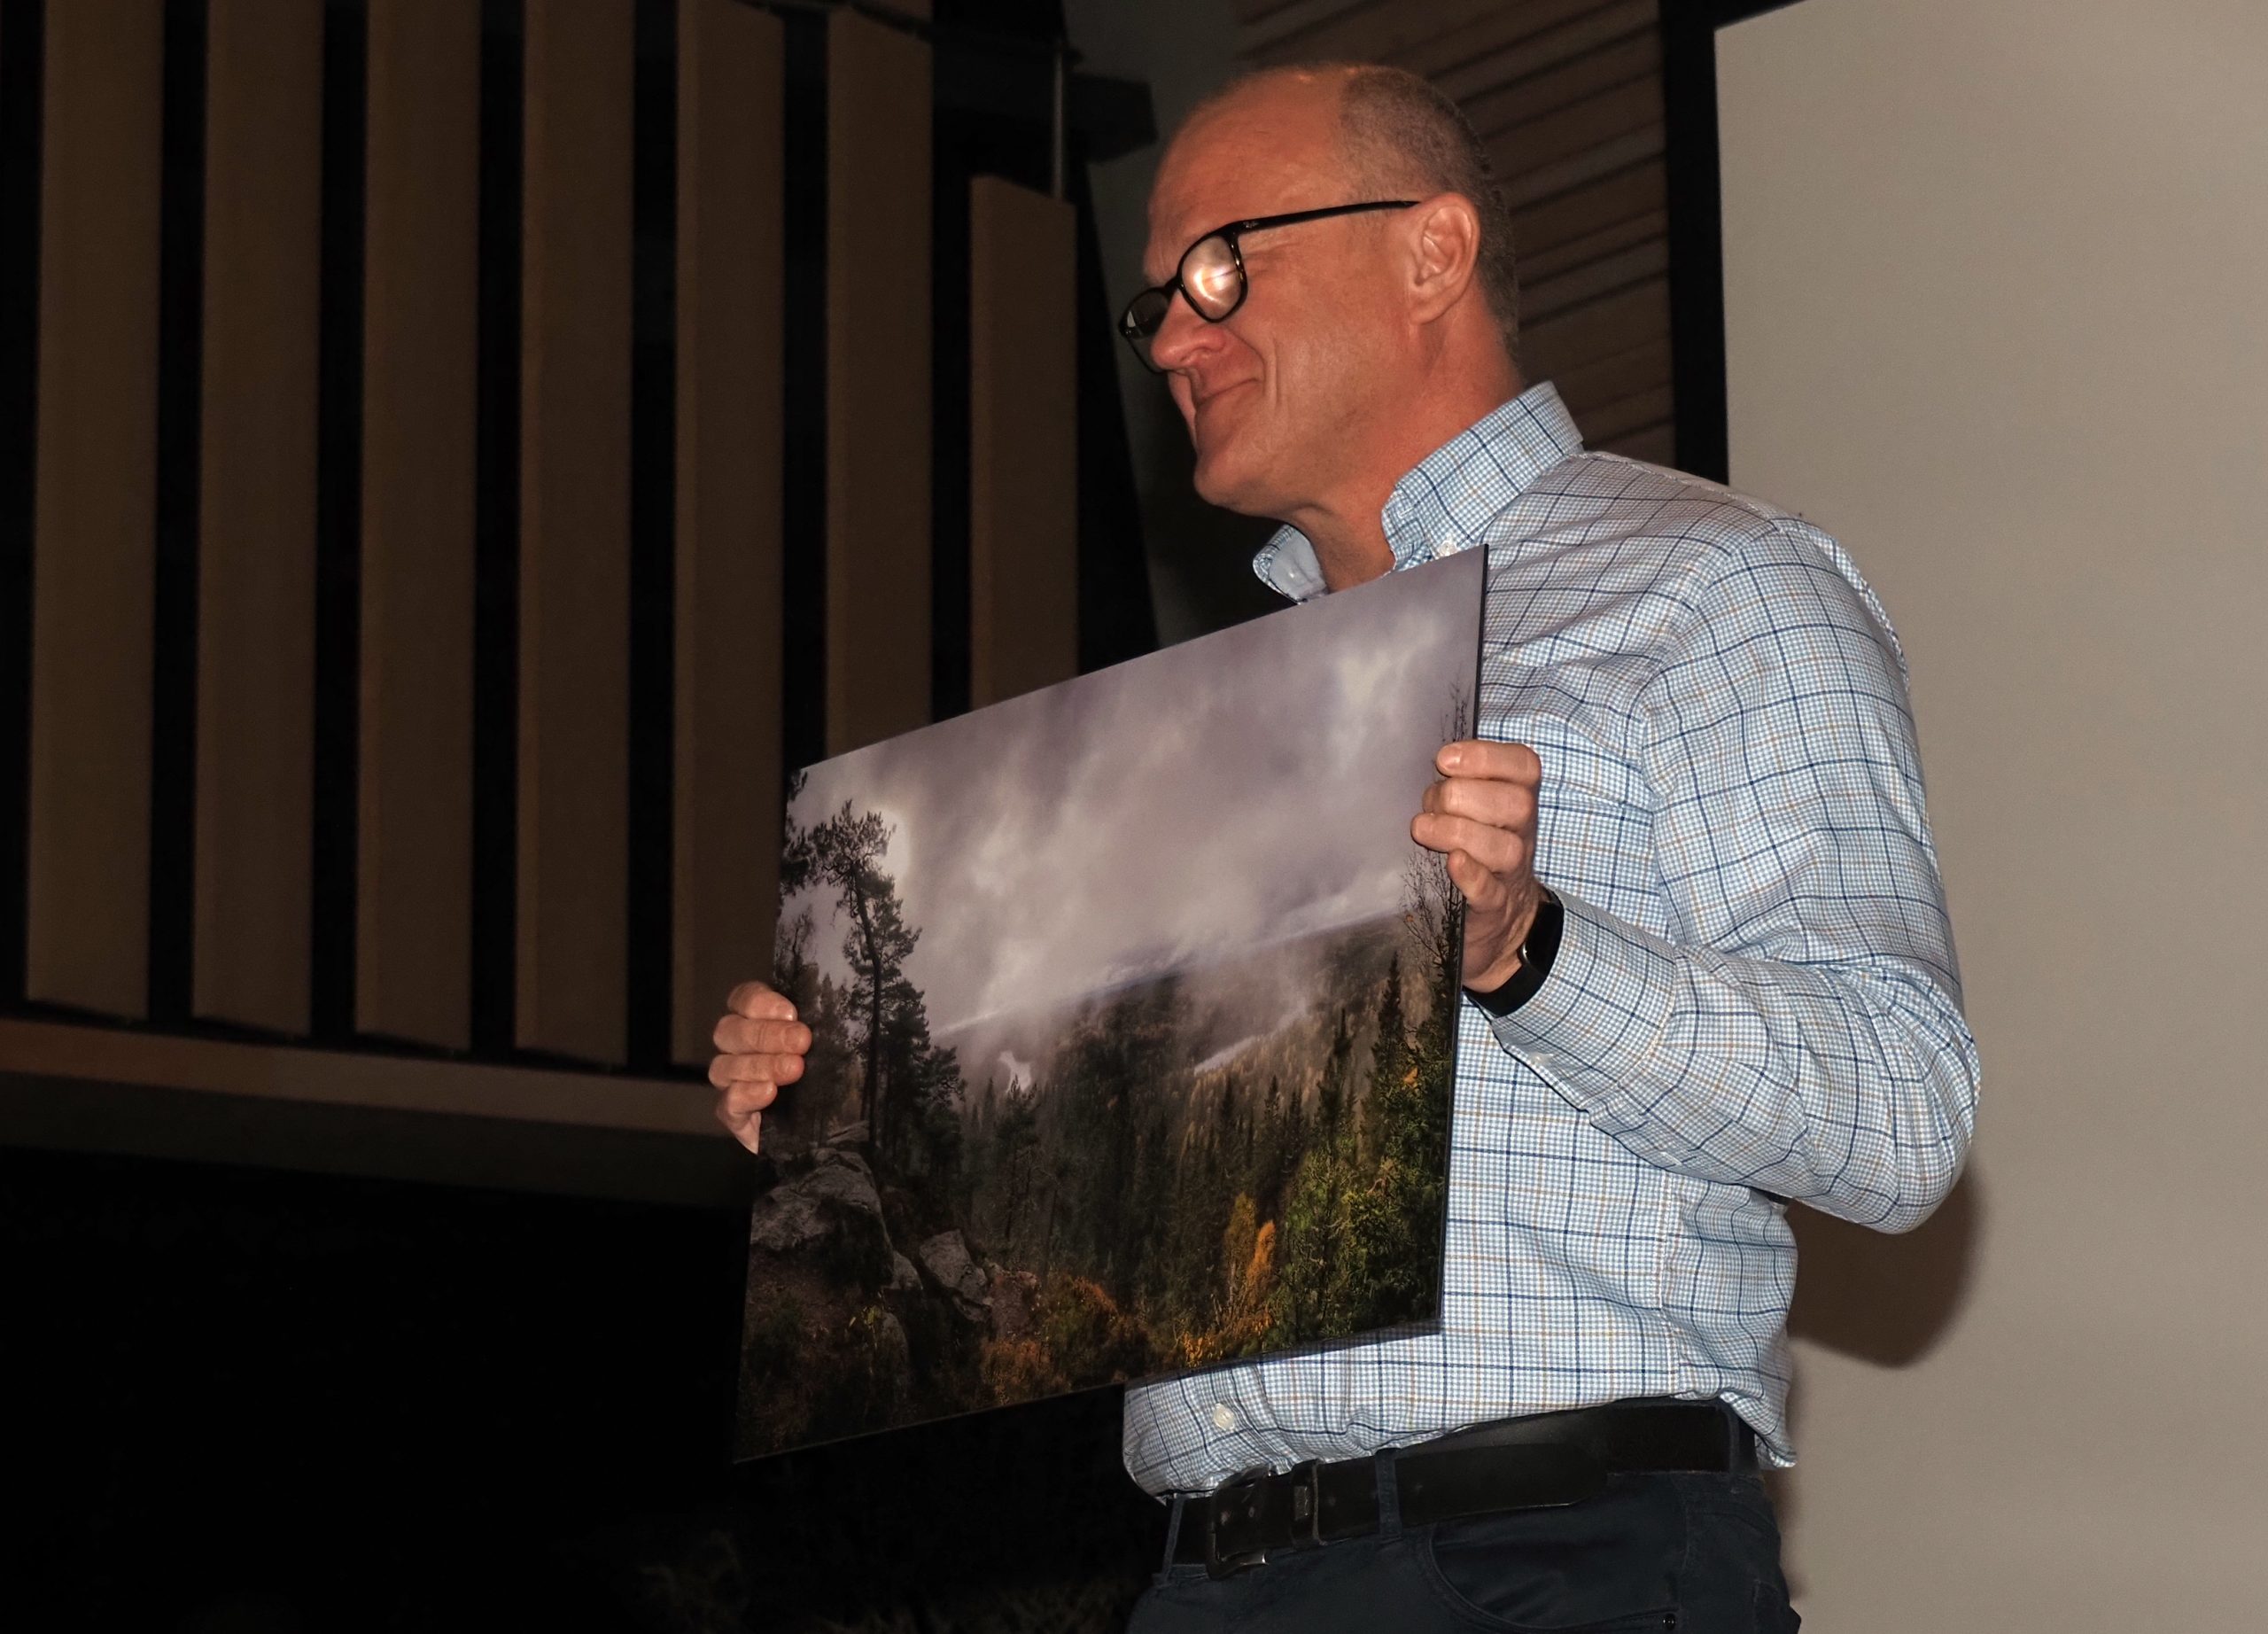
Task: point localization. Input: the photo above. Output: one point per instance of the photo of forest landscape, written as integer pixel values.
(1133, 1007)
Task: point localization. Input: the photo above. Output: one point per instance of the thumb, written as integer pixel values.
(1467, 874)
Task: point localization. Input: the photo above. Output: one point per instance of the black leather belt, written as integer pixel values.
(1540, 1461)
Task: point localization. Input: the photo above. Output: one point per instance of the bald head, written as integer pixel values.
(1396, 137)
(1356, 343)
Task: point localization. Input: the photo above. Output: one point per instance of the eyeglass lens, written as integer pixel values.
(1209, 276)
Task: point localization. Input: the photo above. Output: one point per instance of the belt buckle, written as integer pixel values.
(1306, 1504)
(1235, 1529)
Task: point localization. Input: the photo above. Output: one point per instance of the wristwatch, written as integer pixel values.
(1537, 950)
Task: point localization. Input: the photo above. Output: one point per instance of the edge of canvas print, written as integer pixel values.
(1134, 1026)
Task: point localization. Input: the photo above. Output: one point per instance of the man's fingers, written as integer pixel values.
(759, 1002)
(737, 1035)
(1498, 850)
(727, 1071)
(741, 1100)
(740, 1109)
(1502, 804)
(743, 1124)
(1477, 757)
(761, 1046)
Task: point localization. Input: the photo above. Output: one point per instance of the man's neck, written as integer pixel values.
(1349, 534)
(1353, 552)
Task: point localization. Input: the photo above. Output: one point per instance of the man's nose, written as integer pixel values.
(1182, 335)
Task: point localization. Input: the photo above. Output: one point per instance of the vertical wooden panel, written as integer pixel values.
(726, 846)
(256, 512)
(570, 912)
(87, 905)
(878, 530)
(413, 963)
(1023, 441)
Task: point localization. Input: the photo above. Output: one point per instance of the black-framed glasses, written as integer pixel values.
(1210, 275)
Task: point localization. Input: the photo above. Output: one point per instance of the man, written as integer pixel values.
(1707, 961)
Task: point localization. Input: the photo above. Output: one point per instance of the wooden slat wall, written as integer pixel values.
(413, 942)
(730, 267)
(256, 514)
(1567, 95)
(247, 408)
(88, 901)
(1023, 441)
(878, 527)
(571, 900)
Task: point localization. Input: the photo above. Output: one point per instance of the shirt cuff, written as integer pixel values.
(1594, 1029)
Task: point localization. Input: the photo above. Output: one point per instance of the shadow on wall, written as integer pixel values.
(1886, 1299)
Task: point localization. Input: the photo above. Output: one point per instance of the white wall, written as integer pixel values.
(1995, 276)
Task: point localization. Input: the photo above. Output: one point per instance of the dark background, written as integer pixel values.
(245, 1399)
(252, 1398)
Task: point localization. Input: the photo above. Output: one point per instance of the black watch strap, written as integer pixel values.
(1536, 954)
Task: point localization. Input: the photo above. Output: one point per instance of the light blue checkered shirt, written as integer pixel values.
(1755, 998)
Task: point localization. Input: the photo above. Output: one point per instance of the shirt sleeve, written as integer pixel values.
(1800, 1030)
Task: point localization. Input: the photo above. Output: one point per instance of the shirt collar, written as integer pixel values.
(1446, 504)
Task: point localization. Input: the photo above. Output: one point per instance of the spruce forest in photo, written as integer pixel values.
(1184, 1171)
(1133, 1009)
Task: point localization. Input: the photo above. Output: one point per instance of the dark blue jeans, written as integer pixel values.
(1696, 1553)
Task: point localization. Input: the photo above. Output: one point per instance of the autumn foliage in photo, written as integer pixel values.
(1133, 1013)
(1141, 1200)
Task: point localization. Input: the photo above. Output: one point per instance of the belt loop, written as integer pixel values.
(1389, 1494)
(1173, 1526)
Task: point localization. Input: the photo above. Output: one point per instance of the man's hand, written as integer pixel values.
(761, 1046)
(1481, 815)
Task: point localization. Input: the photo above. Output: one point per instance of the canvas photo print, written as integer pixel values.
(1133, 1007)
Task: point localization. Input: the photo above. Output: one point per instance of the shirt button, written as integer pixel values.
(1224, 1419)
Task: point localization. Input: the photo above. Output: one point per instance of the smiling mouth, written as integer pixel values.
(1218, 393)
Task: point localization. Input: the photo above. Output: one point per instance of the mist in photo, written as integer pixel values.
(1133, 1013)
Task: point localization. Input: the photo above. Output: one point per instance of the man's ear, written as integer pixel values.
(1445, 243)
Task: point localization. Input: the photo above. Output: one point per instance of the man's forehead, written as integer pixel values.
(1265, 153)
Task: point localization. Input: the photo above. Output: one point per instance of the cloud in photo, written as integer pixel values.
(1232, 791)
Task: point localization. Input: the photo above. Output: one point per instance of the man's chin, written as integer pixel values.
(1220, 480)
